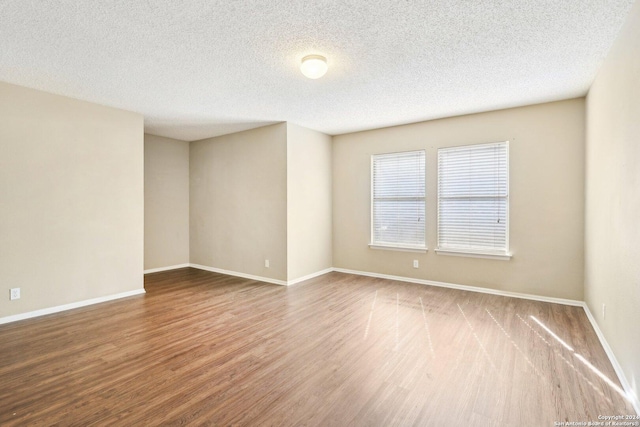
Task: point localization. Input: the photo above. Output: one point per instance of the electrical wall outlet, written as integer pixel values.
(416, 264)
(604, 311)
(15, 293)
(266, 263)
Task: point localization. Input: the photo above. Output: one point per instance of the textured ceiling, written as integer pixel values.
(201, 68)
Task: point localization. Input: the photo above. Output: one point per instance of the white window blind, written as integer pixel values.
(473, 198)
(398, 200)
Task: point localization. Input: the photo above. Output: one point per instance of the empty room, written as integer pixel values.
(320, 213)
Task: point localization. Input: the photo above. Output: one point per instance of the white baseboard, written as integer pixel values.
(171, 267)
(243, 275)
(616, 366)
(238, 274)
(71, 306)
(464, 287)
(381, 276)
(310, 276)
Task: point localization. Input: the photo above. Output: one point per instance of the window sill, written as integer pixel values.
(397, 248)
(487, 255)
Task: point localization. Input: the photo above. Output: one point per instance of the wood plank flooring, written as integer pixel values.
(206, 349)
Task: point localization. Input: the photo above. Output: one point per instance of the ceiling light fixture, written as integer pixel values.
(314, 66)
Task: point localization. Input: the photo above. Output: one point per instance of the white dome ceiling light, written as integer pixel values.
(314, 66)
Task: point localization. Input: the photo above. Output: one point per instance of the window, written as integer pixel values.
(398, 200)
(473, 200)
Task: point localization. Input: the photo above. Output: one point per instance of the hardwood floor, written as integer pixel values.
(207, 349)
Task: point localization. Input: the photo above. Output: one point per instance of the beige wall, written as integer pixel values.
(166, 202)
(238, 202)
(613, 199)
(308, 201)
(546, 200)
(71, 200)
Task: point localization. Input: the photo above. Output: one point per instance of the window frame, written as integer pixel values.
(407, 247)
(501, 254)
